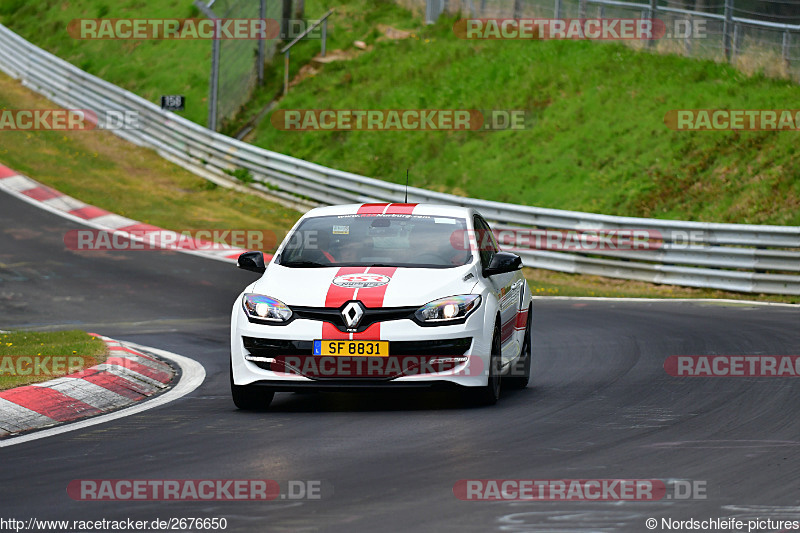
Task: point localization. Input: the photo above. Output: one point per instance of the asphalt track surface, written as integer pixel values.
(600, 406)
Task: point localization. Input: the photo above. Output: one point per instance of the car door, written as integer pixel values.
(506, 287)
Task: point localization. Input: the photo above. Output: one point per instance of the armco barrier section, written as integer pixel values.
(736, 257)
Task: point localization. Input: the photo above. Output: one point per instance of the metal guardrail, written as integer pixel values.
(736, 257)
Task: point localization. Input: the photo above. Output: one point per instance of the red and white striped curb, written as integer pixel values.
(127, 376)
(56, 202)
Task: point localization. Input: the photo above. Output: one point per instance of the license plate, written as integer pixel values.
(352, 348)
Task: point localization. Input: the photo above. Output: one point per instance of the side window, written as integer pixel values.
(487, 245)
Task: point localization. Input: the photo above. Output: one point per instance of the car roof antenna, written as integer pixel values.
(406, 186)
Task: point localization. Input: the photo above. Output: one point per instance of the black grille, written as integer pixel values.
(272, 347)
(275, 348)
(371, 316)
(443, 347)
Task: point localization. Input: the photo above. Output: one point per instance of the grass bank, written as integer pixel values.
(33, 357)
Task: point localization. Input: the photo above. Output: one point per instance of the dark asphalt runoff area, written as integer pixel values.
(600, 406)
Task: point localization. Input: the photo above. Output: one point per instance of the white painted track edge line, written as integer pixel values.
(192, 376)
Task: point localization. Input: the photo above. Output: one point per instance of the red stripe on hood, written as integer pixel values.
(400, 209)
(371, 209)
(331, 332)
(371, 297)
(336, 297)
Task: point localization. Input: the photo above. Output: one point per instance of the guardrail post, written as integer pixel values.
(736, 37)
(262, 14)
(286, 72)
(213, 83)
(517, 9)
(557, 10)
(652, 14)
(431, 11)
(687, 39)
(727, 29)
(324, 37)
(213, 90)
(581, 9)
(785, 51)
(483, 7)
(286, 14)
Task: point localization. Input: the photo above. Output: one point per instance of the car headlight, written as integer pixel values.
(260, 307)
(448, 310)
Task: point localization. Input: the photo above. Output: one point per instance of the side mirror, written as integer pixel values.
(501, 263)
(252, 261)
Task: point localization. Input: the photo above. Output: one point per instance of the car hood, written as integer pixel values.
(399, 287)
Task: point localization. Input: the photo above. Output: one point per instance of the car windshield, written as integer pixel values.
(377, 240)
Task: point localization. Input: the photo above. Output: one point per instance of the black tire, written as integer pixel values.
(490, 393)
(250, 397)
(520, 373)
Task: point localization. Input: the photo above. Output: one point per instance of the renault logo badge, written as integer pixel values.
(352, 314)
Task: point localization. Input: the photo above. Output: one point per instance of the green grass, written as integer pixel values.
(598, 142)
(103, 170)
(147, 68)
(69, 351)
(353, 20)
(158, 67)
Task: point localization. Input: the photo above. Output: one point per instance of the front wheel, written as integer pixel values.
(250, 397)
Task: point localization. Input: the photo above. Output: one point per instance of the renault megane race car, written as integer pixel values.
(382, 295)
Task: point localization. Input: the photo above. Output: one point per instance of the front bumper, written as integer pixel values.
(281, 356)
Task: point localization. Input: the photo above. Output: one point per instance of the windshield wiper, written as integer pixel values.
(303, 264)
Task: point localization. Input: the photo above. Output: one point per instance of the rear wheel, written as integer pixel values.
(490, 393)
(521, 371)
(250, 397)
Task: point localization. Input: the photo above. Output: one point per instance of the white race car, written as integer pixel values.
(382, 295)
